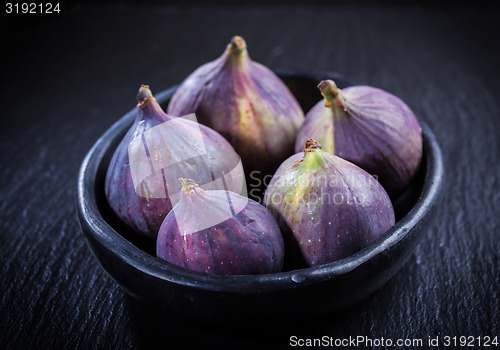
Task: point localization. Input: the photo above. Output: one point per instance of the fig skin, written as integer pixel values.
(247, 103)
(326, 207)
(368, 127)
(143, 209)
(247, 242)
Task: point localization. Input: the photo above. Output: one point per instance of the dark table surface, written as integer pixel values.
(65, 81)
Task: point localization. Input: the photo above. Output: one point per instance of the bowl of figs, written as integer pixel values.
(250, 197)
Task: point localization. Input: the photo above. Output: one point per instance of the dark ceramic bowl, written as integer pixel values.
(255, 300)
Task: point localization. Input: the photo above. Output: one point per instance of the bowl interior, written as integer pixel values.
(410, 207)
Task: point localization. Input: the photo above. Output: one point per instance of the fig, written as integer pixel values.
(220, 232)
(141, 183)
(247, 103)
(326, 207)
(368, 127)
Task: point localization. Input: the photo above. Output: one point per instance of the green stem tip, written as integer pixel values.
(329, 90)
(237, 45)
(144, 95)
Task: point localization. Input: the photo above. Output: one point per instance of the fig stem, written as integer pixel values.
(312, 159)
(237, 45)
(188, 185)
(144, 95)
(145, 99)
(311, 146)
(329, 90)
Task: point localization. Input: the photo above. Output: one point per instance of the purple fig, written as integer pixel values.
(368, 127)
(220, 232)
(247, 103)
(326, 207)
(141, 181)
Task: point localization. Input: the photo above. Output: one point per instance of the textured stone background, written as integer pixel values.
(64, 82)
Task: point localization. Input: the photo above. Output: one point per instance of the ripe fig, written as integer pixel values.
(220, 232)
(368, 127)
(141, 181)
(247, 103)
(327, 208)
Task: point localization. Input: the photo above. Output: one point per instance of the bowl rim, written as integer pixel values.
(94, 224)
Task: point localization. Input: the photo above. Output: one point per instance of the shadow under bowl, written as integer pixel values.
(254, 300)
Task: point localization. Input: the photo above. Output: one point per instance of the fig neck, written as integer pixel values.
(147, 104)
(313, 155)
(331, 93)
(237, 53)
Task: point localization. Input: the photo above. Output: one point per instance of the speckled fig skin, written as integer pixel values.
(368, 127)
(143, 213)
(326, 207)
(249, 242)
(247, 103)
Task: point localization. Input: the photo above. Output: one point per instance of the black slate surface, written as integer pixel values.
(65, 81)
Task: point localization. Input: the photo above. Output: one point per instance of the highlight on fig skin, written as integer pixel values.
(368, 127)
(327, 208)
(247, 103)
